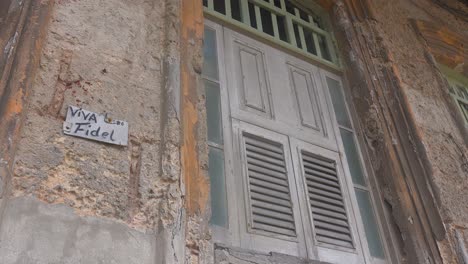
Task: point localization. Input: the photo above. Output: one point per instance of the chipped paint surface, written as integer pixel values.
(197, 186)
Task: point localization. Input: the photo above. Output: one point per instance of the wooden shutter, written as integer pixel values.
(270, 205)
(330, 220)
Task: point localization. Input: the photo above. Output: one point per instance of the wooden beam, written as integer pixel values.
(196, 182)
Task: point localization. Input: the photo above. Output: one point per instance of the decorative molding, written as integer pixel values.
(393, 139)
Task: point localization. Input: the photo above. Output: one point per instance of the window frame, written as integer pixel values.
(374, 191)
(232, 232)
(269, 5)
(454, 78)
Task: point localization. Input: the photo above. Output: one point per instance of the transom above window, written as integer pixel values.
(280, 21)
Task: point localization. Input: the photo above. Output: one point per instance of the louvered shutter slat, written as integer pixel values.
(270, 213)
(265, 165)
(264, 171)
(269, 185)
(317, 210)
(269, 192)
(326, 200)
(320, 169)
(330, 165)
(266, 159)
(270, 220)
(264, 145)
(333, 241)
(272, 207)
(273, 229)
(270, 154)
(267, 178)
(319, 185)
(314, 174)
(325, 193)
(270, 198)
(330, 221)
(326, 206)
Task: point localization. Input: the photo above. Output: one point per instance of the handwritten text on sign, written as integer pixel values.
(86, 124)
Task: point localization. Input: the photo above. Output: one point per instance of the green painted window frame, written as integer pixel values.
(291, 21)
(458, 89)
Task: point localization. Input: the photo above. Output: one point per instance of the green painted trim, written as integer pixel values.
(317, 45)
(258, 16)
(290, 28)
(455, 78)
(453, 75)
(274, 19)
(286, 45)
(291, 21)
(302, 38)
(227, 4)
(244, 11)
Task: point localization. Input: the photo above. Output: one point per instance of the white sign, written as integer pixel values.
(87, 124)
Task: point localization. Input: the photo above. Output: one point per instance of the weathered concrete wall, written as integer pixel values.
(446, 149)
(104, 56)
(39, 233)
(408, 91)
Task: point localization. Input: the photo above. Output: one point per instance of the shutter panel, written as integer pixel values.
(326, 201)
(270, 205)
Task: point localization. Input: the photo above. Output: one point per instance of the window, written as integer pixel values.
(284, 22)
(458, 89)
(277, 126)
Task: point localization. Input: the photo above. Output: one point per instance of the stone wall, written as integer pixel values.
(73, 200)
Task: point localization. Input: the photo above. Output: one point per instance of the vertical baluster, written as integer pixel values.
(283, 5)
(210, 5)
(227, 4)
(245, 12)
(316, 40)
(331, 49)
(259, 19)
(275, 22)
(290, 28)
(289, 25)
(301, 31)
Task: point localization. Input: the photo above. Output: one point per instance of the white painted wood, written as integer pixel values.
(326, 251)
(376, 202)
(230, 234)
(306, 102)
(289, 104)
(251, 236)
(274, 95)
